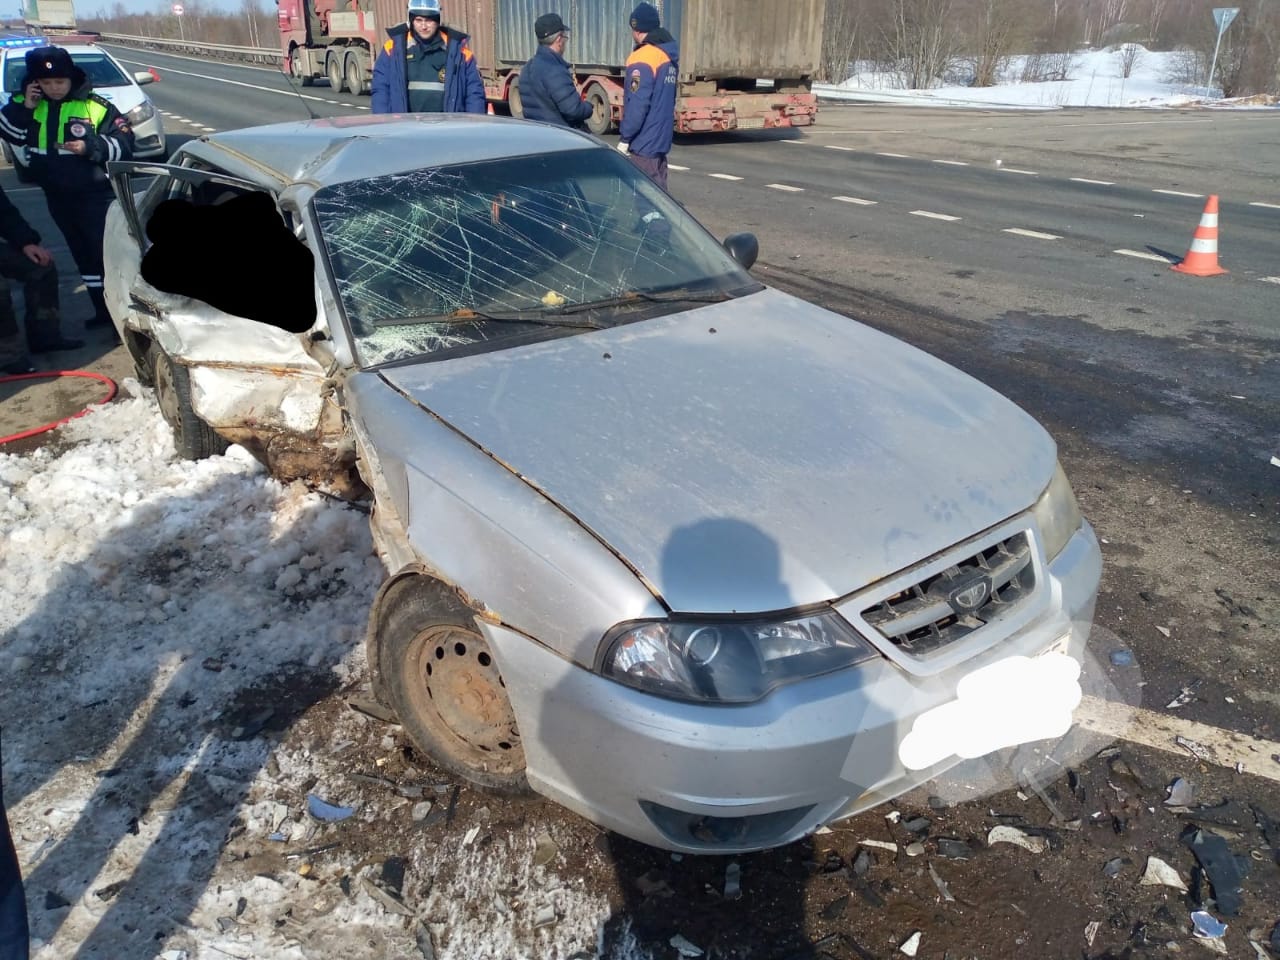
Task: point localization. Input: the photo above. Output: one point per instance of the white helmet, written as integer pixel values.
(424, 8)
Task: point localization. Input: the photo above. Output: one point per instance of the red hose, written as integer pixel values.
(46, 375)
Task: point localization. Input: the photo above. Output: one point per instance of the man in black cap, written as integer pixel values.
(70, 133)
(547, 92)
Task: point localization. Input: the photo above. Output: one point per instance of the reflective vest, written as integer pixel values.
(88, 113)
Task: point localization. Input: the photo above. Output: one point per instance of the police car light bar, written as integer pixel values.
(25, 42)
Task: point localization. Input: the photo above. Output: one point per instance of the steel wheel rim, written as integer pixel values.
(455, 681)
(167, 395)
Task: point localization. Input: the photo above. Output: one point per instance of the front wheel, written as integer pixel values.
(601, 120)
(192, 437)
(333, 67)
(446, 689)
(295, 68)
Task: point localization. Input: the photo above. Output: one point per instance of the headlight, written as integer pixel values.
(1057, 514)
(728, 661)
(141, 113)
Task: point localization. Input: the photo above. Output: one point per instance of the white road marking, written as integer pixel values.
(1269, 206)
(254, 86)
(1133, 123)
(1263, 279)
(1136, 725)
(953, 163)
(1143, 255)
(858, 200)
(896, 156)
(832, 146)
(724, 176)
(932, 216)
(209, 129)
(1097, 183)
(672, 166)
(784, 186)
(794, 141)
(1025, 173)
(1178, 193)
(1035, 235)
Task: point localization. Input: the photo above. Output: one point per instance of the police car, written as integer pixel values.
(110, 80)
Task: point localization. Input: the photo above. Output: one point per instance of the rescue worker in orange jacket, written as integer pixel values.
(649, 94)
(70, 134)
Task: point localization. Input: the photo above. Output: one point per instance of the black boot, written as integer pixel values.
(100, 318)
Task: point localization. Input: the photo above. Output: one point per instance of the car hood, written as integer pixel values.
(748, 456)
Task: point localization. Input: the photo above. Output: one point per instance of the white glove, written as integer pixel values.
(624, 148)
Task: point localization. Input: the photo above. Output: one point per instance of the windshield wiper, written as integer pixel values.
(638, 296)
(546, 318)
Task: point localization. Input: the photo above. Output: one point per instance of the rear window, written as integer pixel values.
(102, 71)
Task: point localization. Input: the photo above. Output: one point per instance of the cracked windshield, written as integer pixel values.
(485, 255)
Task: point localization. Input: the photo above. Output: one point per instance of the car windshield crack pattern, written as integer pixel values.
(444, 258)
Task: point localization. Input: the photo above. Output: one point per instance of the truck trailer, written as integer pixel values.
(49, 16)
(744, 64)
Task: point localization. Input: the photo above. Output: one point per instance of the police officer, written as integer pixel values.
(70, 133)
(546, 85)
(426, 68)
(649, 94)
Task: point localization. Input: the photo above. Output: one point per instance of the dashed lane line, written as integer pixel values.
(1269, 206)
(953, 163)
(1033, 234)
(1143, 255)
(256, 86)
(858, 200)
(1025, 173)
(785, 186)
(836, 146)
(1096, 183)
(1187, 738)
(673, 166)
(723, 176)
(1178, 193)
(896, 156)
(933, 216)
(1263, 279)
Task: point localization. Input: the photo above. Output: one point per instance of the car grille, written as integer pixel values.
(923, 618)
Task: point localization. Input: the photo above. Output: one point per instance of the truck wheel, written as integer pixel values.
(333, 67)
(601, 120)
(192, 437)
(355, 75)
(513, 99)
(445, 687)
(295, 67)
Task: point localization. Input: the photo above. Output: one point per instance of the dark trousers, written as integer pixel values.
(654, 167)
(15, 938)
(40, 296)
(82, 218)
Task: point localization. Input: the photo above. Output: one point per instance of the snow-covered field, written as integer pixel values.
(1095, 78)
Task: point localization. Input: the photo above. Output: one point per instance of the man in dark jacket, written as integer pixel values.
(70, 133)
(426, 68)
(546, 85)
(649, 94)
(23, 259)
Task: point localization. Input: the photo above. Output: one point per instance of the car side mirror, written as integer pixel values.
(144, 76)
(743, 247)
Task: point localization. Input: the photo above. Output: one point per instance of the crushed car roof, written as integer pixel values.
(340, 149)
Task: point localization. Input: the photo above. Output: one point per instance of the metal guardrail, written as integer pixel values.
(218, 51)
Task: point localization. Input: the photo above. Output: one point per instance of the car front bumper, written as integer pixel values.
(728, 779)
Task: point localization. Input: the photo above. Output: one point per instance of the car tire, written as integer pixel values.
(333, 67)
(192, 437)
(356, 82)
(444, 685)
(513, 98)
(601, 120)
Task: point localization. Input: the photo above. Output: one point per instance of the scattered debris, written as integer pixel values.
(733, 881)
(544, 850)
(471, 835)
(546, 916)
(954, 849)
(422, 936)
(372, 708)
(304, 870)
(941, 885)
(55, 901)
(836, 908)
(880, 845)
(110, 890)
(1164, 631)
(325, 811)
(861, 863)
(1160, 874)
(1122, 658)
(1182, 793)
(1091, 931)
(1006, 834)
(1207, 926)
(1258, 952)
(911, 945)
(1185, 696)
(226, 924)
(1197, 750)
(915, 849)
(420, 811)
(1225, 871)
(385, 899)
(917, 825)
(684, 947)
(893, 816)
(253, 725)
(1111, 869)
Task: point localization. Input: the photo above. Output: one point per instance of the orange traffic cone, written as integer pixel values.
(490, 110)
(1202, 259)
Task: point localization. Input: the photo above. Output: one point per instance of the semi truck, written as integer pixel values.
(49, 16)
(744, 64)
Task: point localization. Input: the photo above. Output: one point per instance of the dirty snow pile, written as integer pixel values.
(156, 615)
(1095, 78)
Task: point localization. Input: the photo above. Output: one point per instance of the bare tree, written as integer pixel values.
(840, 38)
(1130, 54)
(993, 25)
(920, 40)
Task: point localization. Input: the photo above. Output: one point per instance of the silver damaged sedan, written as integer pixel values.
(708, 564)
